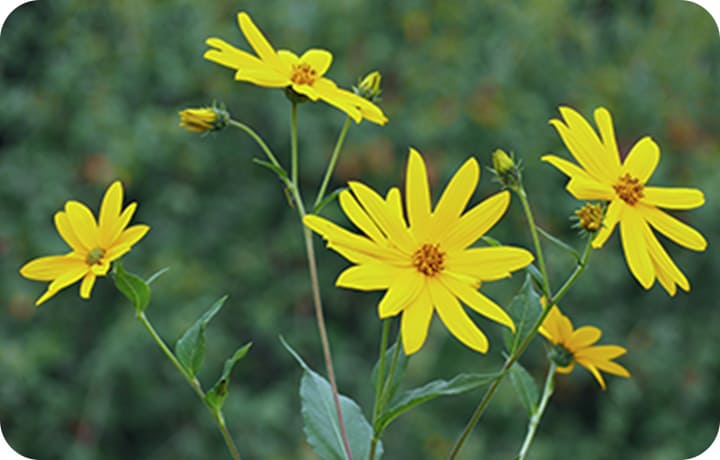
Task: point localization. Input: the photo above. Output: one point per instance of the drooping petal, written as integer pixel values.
(405, 288)
(417, 195)
(613, 215)
(82, 221)
(454, 199)
(359, 217)
(632, 231)
(87, 284)
(583, 337)
(594, 371)
(368, 277)
(678, 231)
(456, 319)
(478, 302)
(319, 60)
(256, 39)
(612, 368)
(673, 197)
(50, 267)
(63, 281)
(642, 160)
(330, 93)
(415, 322)
(667, 272)
(488, 263)
(477, 221)
(62, 224)
(306, 90)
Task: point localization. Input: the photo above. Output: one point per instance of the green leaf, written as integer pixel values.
(321, 423)
(524, 309)
(561, 244)
(282, 174)
(491, 241)
(525, 387)
(132, 286)
(190, 348)
(328, 199)
(460, 384)
(400, 367)
(215, 398)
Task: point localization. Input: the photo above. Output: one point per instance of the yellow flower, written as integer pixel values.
(284, 69)
(424, 263)
(633, 204)
(576, 346)
(203, 119)
(94, 244)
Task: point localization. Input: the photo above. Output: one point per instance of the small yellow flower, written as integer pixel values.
(589, 217)
(633, 204)
(94, 244)
(425, 263)
(576, 346)
(284, 69)
(203, 119)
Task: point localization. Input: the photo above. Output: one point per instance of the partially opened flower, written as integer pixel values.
(94, 244)
(284, 69)
(572, 346)
(633, 204)
(425, 263)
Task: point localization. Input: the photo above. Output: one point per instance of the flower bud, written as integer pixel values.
(369, 86)
(505, 168)
(590, 217)
(204, 119)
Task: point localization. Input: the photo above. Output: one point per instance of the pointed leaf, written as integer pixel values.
(281, 173)
(524, 309)
(156, 275)
(215, 398)
(190, 348)
(561, 244)
(321, 423)
(328, 199)
(132, 286)
(525, 387)
(407, 400)
(400, 367)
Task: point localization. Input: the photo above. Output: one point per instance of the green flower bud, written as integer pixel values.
(369, 86)
(505, 168)
(204, 119)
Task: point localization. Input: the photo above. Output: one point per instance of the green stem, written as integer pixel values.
(317, 299)
(193, 382)
(379, 386)
(475, 418)
(333, 160)
(391, 375)
(536, 240)
(538, 413)
(258, 140)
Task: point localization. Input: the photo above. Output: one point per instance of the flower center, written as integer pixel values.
(303, 74)
(429, 260)
(94, 256)
(629, 189)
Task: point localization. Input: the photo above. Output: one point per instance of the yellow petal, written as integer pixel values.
(678, 231)
(569, 169)
(367, 277)
(256, 39)
(642, 160)
(415, 322)
(132, 235)
(583, 337)
(336, 97)
(359, 217)
(673, 197)
(602, 352)
(478, 220)
(83, 223)
(319, 60)
(64, 280)
(613, 215)
(405, 288)
(632, 231)
(667, 272)
(50, 267)
(478, 302)
(87, 284)
(603, 120)
(456, 319)
(612, 368)
(110, 235)
(565, 369)
(110, 209)
(417, 195)
(263, 76)
(488, 263)
(594, 371)
(62, 224)
(455, 198)
(590, 189)
(227, 55)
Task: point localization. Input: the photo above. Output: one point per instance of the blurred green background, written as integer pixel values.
(90, 92)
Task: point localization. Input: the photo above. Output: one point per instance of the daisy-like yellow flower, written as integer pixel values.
(577, 346)
(94, 244)
(284, 69)
(425, 262)
(633, 204)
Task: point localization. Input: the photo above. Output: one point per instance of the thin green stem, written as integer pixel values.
(312, 266)
(536, 240)
(258, 140)
(379, 386)
(193, 382)
(391, 375)
(579, 268)
(538, 413)
(333, 160)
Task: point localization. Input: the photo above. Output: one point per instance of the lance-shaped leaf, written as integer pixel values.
(215, 398)
(525, 387)
(190, 348)
(132, 286)
(407, 400)
(321, 422)
(400, 366)
(524, 309)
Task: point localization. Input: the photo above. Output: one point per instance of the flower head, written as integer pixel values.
(284, 69)
(203, 119)
(632, 203)
(572, 346)
(94, 244)
(505, 169)
(369, 86)
(425, 263)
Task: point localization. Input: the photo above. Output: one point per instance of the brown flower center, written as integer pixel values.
(629, 189)
(303, 74)
(95, 256)
(429, 260)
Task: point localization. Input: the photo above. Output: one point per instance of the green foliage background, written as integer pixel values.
(90, 92)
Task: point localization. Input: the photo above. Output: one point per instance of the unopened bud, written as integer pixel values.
(590, 217)
(204, 119)
(369, 86)
(505, 168)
